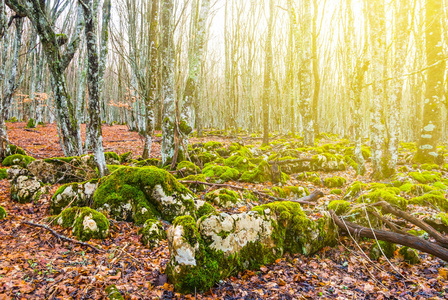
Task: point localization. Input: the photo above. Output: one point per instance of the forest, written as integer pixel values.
(223, 149)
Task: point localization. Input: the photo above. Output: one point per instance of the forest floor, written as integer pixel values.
(35, 265)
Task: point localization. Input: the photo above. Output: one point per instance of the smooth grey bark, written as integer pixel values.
(267, 93)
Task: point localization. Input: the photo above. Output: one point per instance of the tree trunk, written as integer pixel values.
(267, 76)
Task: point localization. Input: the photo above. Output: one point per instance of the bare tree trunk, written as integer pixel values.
(267, 76)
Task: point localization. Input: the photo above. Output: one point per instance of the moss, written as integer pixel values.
(297, 191)
(199, 177)
(112, 156)
(187, 168)
(429, 167)
(248, 195)
(431, 200)
(152, 233)
(86, 223)
(388, 194)
(443, 218)
(354, 189)
(332, 182)
(223, 197)
(238, 162)
(204, 157)
(403, 169)
(406, 188)
(3, 213)
(205, 210)
(113, 293)
(340, 207)
(3, 174)
(306, 176)
(31, 123)
(61, 160)
(223, 151)
(185, 128)
(125, 157)
(440, 185)
(13, 149)
(149, 162)
(328, 162)
(70, 194)
(18, 159)
(336, 192)
(113, 168)
(220, 173)
(212, 145)
(259, 175)
(426, 177)
(381, 247)
(420, 189)
(138, 194)
(409, 255)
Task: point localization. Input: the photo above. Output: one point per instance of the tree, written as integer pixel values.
(432, 128)
(267, 75)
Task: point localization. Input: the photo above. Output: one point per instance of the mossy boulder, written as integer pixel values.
(18, 160)
(333, 182)
(389, 195)
(409, 255)
(201, 158)
(212, 145)
(221, 245)
(152, 233)
(340, 207)
(223, 198)
(382, 248)
(354, 190)
(3, 213)
(64, 169)
(3, 174)
(85, 222)
(24, 187)
(125, 157)
(185, 168)
(426, 176)
(328, 162)
(13, 149)
(432, 199)
(147, 162)
(336, 192)
(112, 158)
(113, 293)
(196, 187)
(241, 163)
(138, 194)
(261, 174)
(73, 194)
(220, 174)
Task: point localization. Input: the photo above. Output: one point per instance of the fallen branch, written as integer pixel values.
(62, 237)
(391, 237)
(304, 200)
(417, 222)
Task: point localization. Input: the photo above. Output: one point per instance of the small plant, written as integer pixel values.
(31, 123)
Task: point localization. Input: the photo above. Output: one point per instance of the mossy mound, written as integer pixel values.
(139, 194)
(18, 160)
(290, 191)
(328, 162)
(3, 213)
(212, 145)
(426, 176)
(409, 255)
(340, 207)
(201, 158)
(73, 194)
(24, 188)
(85, 222)
(152, 233)
(386, 194)
(336, 192)
(381, 248)
(261, 174)
(241, 163)
(222, 245)
(333, 182)
(429, 167)
(186, 168)
(433, 199)
(113, 293)
(354, 190)
(112, 158)
(146, 163)
(126, 157)
(220, 174)
(13, 149)
(223, 198)
(197, 187)
(3, 174)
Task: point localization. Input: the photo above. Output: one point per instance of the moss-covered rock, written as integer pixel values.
(196, 187)
(381, 248)
(409, 255)
(13, 149)
(426, 176)
(240, 163)
(336, 192)
(18, 160)
(328, 162)
(73, 194)
(221, 245)
(113, 293)
(64, 169)
(223, 198)
(126, 157)
(220, 174)
(212, 145)
(354, 190)
(340, 207)
(202, 158)
(3, 213)
(261, 174)
(85, 222)
(152, 233)
(389, 195)
(24, 187)
(3, 174)
(332, 182)
(432, 199)
(139, 194)
(147, 162)
(112, 158)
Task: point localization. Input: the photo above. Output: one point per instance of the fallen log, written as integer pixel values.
(63, 237)
(391, 237)
(304, 200)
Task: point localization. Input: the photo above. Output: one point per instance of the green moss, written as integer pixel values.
(409, 255)
(238, 162)
(113, 168)
(197, 187)
(332, 182)
(297, 191)
(420, 189)
(187, 168)
(149, 162)
(152, 233)
(3, 213)
(18, 159)
(336, 192)
(61, 160)
(381, 248)
(212, 145)
(259, 175)
(3, 174)
(429, 167)
(112, 156)
(432, 200)
(307, 176)
(138, 194)
(86, 223)
(13, 149)
(70, 194)
(220, 173)
(443, 217)
(406, 188)
(205, 210)
(328, 162)
(31, 123)
(354, 189)
(185, 128)
(439, 185)
(223, 197)
(340, 207)
(125, 157)
(403, 169)
(113, 293)
(426, 176)
(388, 194)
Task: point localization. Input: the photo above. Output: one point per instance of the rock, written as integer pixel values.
(112, 158)
(86, 223)
(409, 255)
(223, 198)
(221, 245)
(186, 168)
(24, 187)
(382, 248)
(64, 169)
(220, 174)
(113, 293)
(75, 194)
(17, 159)
(152, 233)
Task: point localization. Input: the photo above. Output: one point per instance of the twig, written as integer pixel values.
(63, 237)
(303, 200)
